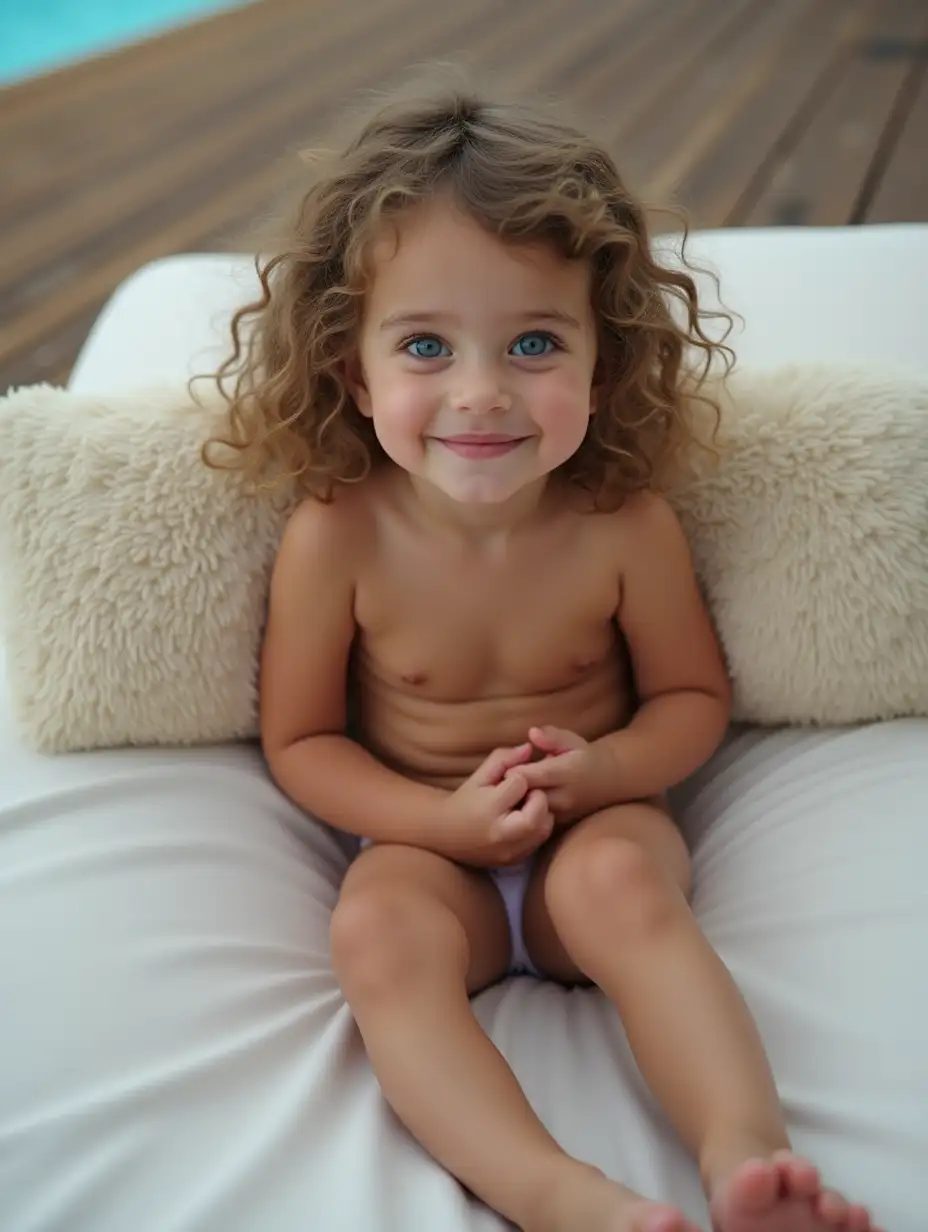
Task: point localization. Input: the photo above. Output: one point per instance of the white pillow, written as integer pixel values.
(136, 579)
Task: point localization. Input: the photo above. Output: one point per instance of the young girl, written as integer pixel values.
(467, 354)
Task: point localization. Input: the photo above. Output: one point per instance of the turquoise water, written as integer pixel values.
(39, 35)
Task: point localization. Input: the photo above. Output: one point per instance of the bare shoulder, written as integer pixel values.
(644, 525)
(643, 533)
(327, 536)
(648, 519)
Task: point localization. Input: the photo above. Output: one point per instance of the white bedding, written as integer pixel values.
(174, 1053)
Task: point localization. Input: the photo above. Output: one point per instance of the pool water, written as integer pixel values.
(39, 35)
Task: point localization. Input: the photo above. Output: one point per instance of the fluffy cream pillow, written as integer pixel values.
(134, 579)
(810, 536)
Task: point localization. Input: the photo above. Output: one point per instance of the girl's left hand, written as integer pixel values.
(577, 777)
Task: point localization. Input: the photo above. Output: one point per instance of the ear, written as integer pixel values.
(353, 375)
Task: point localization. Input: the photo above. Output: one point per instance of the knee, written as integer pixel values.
(614, 883)
(382, 936)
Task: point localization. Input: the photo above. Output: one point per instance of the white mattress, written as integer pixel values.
(174, 1052)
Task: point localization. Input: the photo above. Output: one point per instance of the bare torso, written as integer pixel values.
(462, 646)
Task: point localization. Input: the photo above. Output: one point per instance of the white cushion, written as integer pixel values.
(174, 1051)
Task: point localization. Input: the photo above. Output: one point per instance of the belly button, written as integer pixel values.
(414, 678)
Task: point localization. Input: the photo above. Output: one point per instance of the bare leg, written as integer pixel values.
(608, 902)
(412, 936)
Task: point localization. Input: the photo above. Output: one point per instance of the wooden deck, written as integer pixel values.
(748, 112)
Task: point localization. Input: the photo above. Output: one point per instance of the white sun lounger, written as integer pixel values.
(174, 1052)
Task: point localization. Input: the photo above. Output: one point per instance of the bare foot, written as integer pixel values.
(783, 1194)
(583, 1200)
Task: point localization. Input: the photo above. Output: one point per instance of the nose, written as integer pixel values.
(481, 390)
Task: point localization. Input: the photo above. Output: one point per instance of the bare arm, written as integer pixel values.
(679, 670)
(303, 690)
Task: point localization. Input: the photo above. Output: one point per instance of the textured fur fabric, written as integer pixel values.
(134, 580)
(810, 536)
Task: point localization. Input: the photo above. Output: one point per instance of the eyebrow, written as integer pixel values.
(411, 319)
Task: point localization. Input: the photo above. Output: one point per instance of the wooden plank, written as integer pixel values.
(252, 176)
(176, 145)
(506, 51)
(818, 182)
(732, 73)
(675, 63)
(154, 193)
(42, 248)
(30, 329)
(899, 192)
(184, 95)
(578, 61)
(174, 156)
(182, 138)
(174, 60)
(52, 94)
(599, 87)
(91, 129)
(166, 115)
(573, 37)
(714, 186)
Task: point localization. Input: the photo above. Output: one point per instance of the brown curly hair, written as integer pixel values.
(526, 177)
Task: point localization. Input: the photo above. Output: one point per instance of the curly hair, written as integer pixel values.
(526, 177)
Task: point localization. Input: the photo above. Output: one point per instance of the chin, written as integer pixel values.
(480, 494)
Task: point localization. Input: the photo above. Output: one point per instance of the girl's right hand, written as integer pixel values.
(494, 819)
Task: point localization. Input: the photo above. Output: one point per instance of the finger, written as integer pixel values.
(513, 824)
(545, 825)
(511, 791)
(533, 818)
(548, 773)
(499, 761)
(558, 802)
(544, 738)
(554, 739)
(535, 809)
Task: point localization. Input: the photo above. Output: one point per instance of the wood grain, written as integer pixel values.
(744, 111)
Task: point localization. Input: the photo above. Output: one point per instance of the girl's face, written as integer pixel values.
(476, 357)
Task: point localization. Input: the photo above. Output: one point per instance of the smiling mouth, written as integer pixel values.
(481, 445)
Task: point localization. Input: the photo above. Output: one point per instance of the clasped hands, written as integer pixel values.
(516, 798)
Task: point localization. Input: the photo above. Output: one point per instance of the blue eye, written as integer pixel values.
(533, 344)
(427, 347)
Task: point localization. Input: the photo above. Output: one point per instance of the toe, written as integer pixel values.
(832, 1208)
(858, 1219)
(755, 1186)
(748, 1194)
(664, 1219)
(800, 1178)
